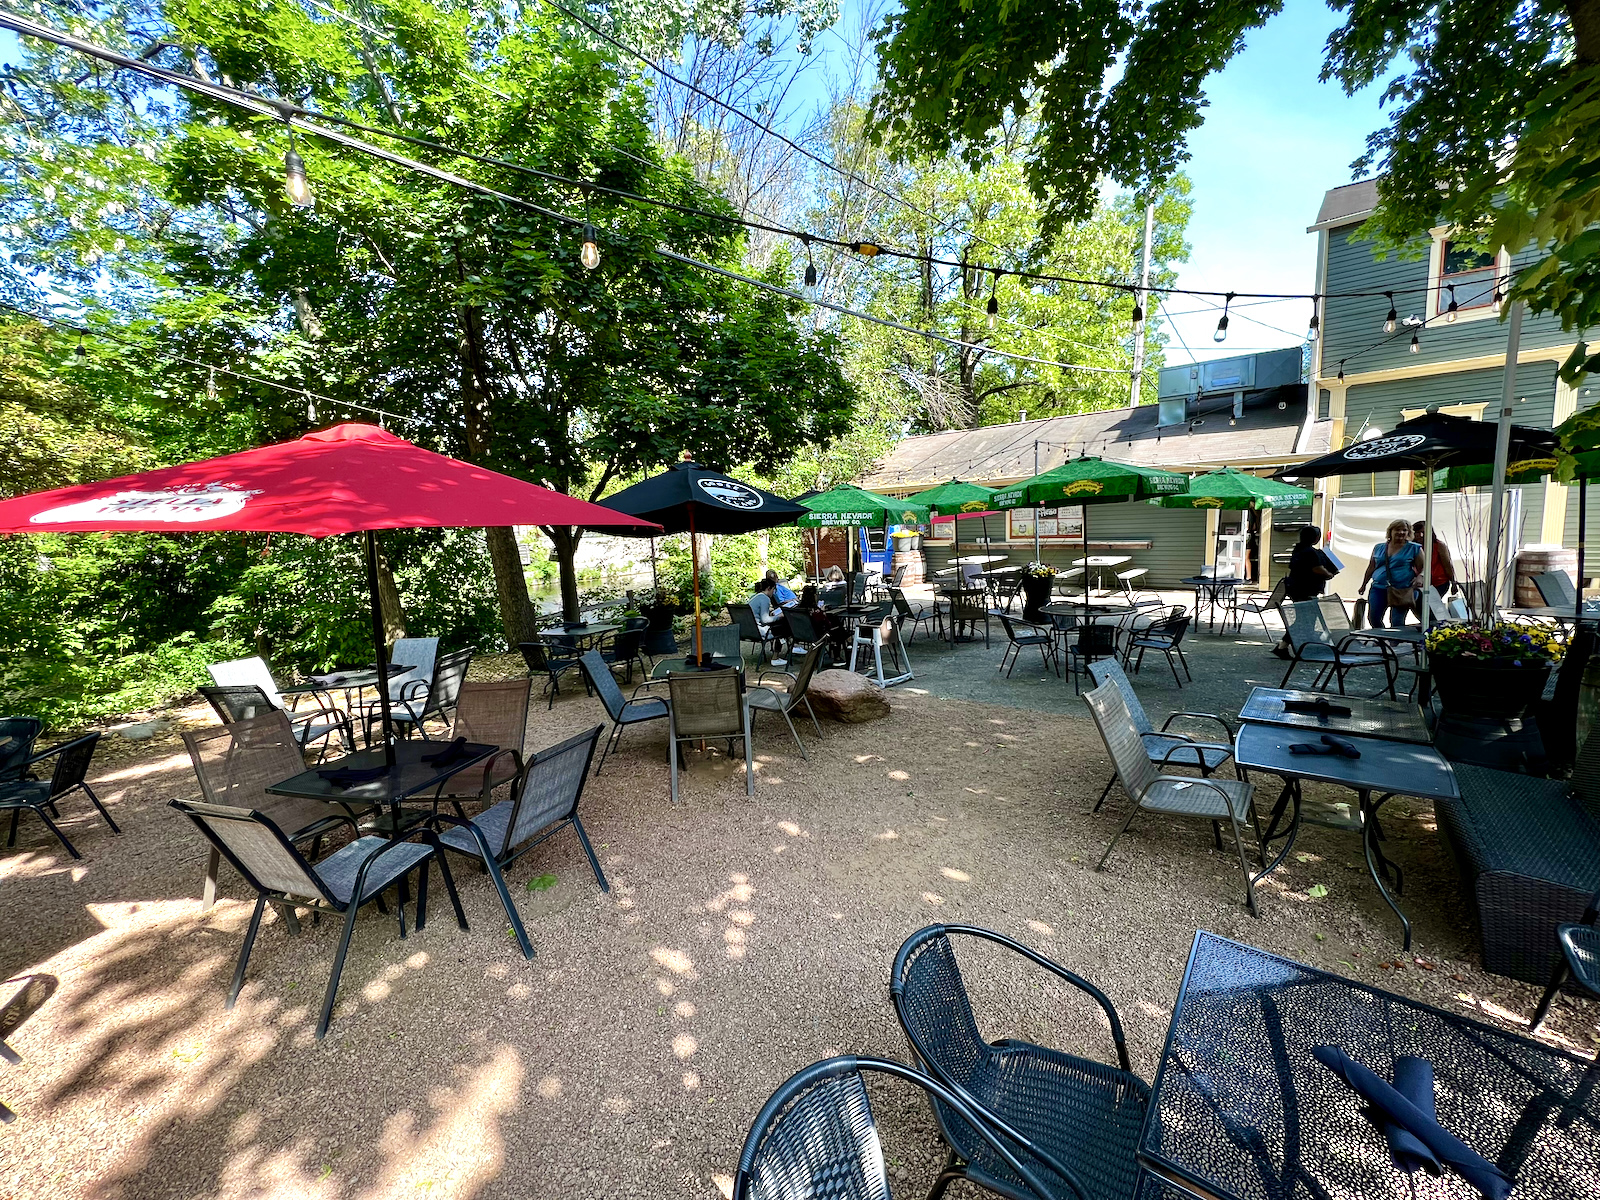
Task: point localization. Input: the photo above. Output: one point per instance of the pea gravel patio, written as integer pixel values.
(740, 941)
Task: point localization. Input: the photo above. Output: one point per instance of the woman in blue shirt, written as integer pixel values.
(1394, 563)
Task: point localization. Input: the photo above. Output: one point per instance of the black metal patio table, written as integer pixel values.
(1389, 768)
(1392, 720)
(1240, 1110)
(351, 683)
(1213, 593)
(409, 776)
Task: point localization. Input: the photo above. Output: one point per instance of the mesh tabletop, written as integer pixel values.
(1241, 1110)
(1401, 768)
(409, 777)
(1392, 720)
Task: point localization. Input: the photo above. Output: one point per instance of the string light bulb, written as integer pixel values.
(1416, 345)
(811, 267)
(590, 254)
(993, 307)
(294, 175)
(1315, 323)
(81, 353)
(1499, 295)
(1221, 335)
(211, 384)
(866, 249)
(311, 409)
(1341, 370)
(1389, 321)
(1451, 310)
(1138, 313)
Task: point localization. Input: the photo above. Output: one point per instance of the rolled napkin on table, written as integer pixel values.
(1411, 1119)
(346, 776)
(454, 752)
(329, 680)
(1320, 707)
(1309, 748)
(1413, 1079)
(1341, 746)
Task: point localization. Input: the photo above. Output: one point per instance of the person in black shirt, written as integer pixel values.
(1308, 576)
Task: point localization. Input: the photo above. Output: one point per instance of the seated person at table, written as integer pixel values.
(769, 617)
(785, 594)
(825, 623)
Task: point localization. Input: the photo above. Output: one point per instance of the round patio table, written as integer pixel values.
(1215, 593)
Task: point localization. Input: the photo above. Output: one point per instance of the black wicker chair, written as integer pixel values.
(39, 796)
(817, 1139)
(1076, 1121)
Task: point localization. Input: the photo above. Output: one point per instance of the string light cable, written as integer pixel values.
(310, 396)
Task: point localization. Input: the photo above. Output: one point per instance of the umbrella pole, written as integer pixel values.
(1427, 557)
(1085, 563)
(655, 575)
(694, 574)
(379, 647)
(1583, 519)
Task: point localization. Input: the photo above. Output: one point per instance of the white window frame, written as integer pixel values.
(1438, 281)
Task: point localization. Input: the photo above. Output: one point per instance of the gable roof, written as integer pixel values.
(1000, 454)
(1348, 204)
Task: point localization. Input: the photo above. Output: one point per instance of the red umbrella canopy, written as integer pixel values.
(344, 479)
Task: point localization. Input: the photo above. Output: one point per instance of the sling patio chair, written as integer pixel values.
(240, 701)
(1314, 632)
(626, 649)
(1580, 959)
(17, 736)
(1092, 643)
(1215, 800)
(807, 635)
(544, 801)
(420, 702)
(490, 714)
(1075, 1122)
(708, 705)
(790, 697)
(1165, 635)
(236, 764)
(40, 796)
(552, 660)
(622, 710)
(1041, 637)
(967, 607)
(722, 641)
(750, 630)
(817, 1139)
(342, 883)
(1165, 746)
(1258, 604)
(917, 614)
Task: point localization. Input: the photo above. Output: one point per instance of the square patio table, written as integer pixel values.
(1240, 1110)
(409, 776)
(1392, 720)
(1390, 768)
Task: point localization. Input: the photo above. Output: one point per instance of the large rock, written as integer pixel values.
(846, 696)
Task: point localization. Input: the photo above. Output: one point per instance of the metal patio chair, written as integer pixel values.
(967, 607)
(420, 702)
(1215, 800)
(350, 877)
(241, 701)
(1041, 637)
(39, 795)
(622, 710)
(1314, 633)
(916, 615)
(817, 1138)
(15, 1059)
(789, 698)
(720, 640)
(235, 764)
(1092, 643)
(744, 617)
(545, 800)
(874, 633)
(17, 736)
(1165, 635)
(1258, 605)
(1165, 746)
(490, 714)
(1076, 1121)
(551, 659)
(708, 704)
(626, 649)
(1580, 959)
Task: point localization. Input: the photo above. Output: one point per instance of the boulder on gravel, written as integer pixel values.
(846, 696)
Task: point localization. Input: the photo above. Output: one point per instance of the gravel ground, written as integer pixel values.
(740, 941)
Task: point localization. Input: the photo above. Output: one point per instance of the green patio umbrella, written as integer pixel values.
(1087, 481)
(954, 498)
(853, 507)
(1234, 489)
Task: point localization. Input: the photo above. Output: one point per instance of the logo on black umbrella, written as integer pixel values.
(731, 493)
(1379, 447)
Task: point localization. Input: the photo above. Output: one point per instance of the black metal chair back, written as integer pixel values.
(551, 787)
(816, 1138)
(802, 677)
(804, 629)
(72, 764)
(901, 607)
(238, 701)
(932, 1003)
(600, 678)
(833, 595)
(448, 675)
(17, 736)
(745, 618)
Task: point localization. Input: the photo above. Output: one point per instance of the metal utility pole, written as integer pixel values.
(1141, 298)
(1036, 507)
(1502, 451)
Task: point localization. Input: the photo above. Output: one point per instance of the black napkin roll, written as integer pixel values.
(1341, 746)
(454, 752)
(1316, 708)
(346, 776)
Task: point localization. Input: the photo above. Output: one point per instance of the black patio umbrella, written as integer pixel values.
(1427, 443)
(689, 498)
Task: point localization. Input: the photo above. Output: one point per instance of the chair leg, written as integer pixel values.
(749, 758)
(1557, 978)
(208, 890)
(16, 815)
(1244, 866)
(244, 951)
(422, 895)
(96, 801)
(672, 758)
(1173, 664)
(53, 828)
(794, 733)
(806, 700)
(1101, 865)
(611, 744)
(583, 839)
(1110, 783)
(338, 969)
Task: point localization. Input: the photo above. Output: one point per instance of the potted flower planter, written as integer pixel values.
(1035, 594)
(1488, 688)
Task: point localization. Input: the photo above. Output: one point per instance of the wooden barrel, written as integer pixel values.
(1539, 560)
(913, 561)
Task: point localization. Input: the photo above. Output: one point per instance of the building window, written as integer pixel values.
(1466, 276)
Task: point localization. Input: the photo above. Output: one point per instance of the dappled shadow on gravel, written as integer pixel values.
(741, 940)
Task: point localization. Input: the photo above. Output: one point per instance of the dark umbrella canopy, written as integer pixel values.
(1423, 443)
(688, 497)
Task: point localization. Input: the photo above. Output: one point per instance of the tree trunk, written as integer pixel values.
(394, 613)
(517, 614)
(566, 539)
(1585, 18)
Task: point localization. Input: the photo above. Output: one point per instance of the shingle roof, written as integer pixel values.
(1346, 205)
(1000, 454)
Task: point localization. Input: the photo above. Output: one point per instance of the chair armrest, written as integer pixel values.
(1180, 736)
(646, 686)
(41, 755)
(1065, 975)
(1200, 716)
(1199, 749)
(412, 690)
(761, 679)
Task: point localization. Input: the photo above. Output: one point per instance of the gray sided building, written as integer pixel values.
(1457, 365)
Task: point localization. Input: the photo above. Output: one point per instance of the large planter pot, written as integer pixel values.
(1035, 594)
(1474, 689)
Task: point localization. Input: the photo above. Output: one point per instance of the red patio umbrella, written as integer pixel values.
(350, 478)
